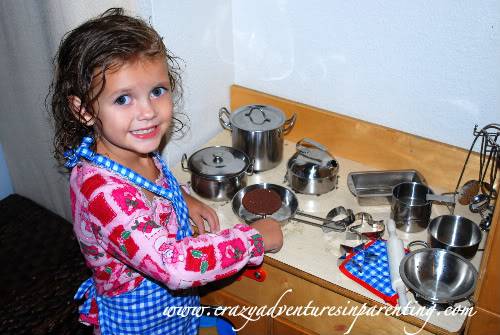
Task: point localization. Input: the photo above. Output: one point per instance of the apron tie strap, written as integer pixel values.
(86, 287)
(73, 156)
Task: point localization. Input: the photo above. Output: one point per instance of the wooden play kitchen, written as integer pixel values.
(307, 263)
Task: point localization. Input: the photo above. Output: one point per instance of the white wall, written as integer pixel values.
(200, 32)
(430, 68)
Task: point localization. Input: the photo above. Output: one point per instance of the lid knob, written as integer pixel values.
(217, 159)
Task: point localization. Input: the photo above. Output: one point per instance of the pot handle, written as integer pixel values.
(288, 125)
(264, 116)
(249, 170)
(418, 242)
(184, 162)
(225, 124)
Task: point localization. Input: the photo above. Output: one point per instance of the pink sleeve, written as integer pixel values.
(144, 239)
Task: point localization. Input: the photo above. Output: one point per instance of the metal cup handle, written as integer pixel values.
(288, 125)
(225, 124)
(184, 162)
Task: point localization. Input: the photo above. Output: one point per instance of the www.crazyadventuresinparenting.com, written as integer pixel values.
(254, 313)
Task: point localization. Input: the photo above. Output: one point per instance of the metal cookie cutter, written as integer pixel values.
(365, 218)
(341, 216)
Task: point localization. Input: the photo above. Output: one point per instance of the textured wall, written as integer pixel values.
(430, 68)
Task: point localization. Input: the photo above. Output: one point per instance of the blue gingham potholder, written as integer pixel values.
(369, 267)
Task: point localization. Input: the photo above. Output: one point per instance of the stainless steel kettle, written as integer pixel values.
(312, 170)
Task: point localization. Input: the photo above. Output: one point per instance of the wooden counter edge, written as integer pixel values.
(487, 295)
(353, 295)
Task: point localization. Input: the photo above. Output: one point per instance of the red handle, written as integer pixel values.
(257, 274)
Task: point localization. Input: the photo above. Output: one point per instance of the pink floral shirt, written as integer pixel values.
(124, 237)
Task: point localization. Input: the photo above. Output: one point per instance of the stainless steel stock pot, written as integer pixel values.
(258, 131)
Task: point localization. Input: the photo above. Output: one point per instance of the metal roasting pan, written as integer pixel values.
(374, 188)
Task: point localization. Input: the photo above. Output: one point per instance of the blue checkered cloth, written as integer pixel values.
(140, 311)
(173, 193)
(375, 267)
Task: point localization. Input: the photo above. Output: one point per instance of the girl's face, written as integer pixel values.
(134, 109)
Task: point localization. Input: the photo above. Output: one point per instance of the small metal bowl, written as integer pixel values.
(438, 277)
(455, 233)
(288, 207)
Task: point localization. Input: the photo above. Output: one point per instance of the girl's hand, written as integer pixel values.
(272, 235)
(199, 213)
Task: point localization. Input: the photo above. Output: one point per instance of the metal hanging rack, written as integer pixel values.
(489, 164)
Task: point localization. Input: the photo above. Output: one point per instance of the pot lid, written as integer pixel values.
(218, 161)
(257, 118)
(312, 161)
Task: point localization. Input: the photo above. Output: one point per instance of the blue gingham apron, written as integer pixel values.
(139, 311)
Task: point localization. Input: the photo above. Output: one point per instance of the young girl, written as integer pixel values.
(112, 105)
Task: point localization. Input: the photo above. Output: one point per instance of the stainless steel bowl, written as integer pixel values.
(288, 207)
(438, 276)
(455, 233)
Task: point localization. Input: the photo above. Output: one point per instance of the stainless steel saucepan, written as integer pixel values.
(412, 204)
(218, 172)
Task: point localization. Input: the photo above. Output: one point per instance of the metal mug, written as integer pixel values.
(410, 208)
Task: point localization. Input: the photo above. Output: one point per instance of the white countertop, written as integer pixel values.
(310, 250)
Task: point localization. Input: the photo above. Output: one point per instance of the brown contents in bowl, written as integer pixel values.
(262, 201)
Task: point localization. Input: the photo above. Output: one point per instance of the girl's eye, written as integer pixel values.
(122, 100)
(158, 91)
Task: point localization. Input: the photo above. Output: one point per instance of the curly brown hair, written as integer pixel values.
(85, 54)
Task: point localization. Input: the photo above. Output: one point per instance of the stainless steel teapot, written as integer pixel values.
(312, 170)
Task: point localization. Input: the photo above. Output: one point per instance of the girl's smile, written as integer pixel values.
(134, 110)
(146, 133)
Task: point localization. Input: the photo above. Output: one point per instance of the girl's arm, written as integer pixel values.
(144, 238)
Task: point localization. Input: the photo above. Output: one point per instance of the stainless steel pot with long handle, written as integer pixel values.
(258, 131)
(410, 208)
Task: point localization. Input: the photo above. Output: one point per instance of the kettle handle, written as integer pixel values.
(225, 124)
(301, 148)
